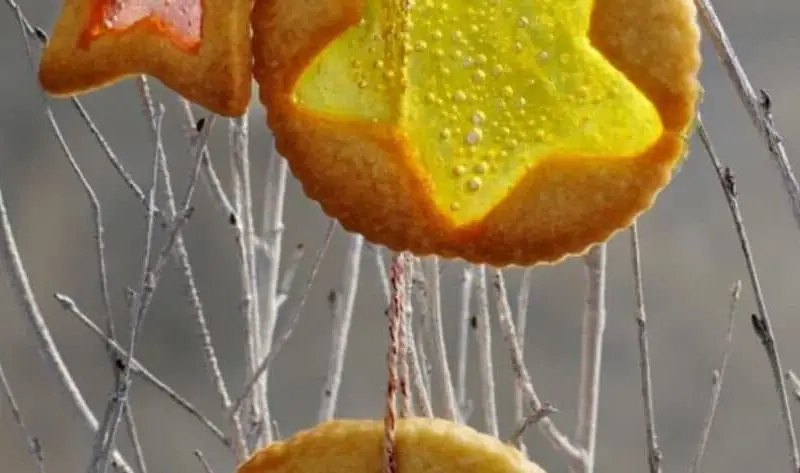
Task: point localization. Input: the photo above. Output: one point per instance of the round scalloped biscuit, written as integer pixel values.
(423, 445)
(365, 170)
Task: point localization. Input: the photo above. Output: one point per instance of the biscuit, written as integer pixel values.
(423, 445)
(506, 132)
(201, 49)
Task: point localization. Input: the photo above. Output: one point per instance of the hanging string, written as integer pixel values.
(397, 346)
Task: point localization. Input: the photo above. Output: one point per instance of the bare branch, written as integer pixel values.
(527, 421)
(293, 317)
(795, 382)
(272, 228)
(13, 267)
(419, 384)
(197, 144)
(594, 324)
(761, 321)
(181, 255)
(19, 277)
(341, 328)
(431, 290)
(523, 298)
(268, 272)
(719, 375)
(467, 277)
(654, 455)
(291, 271)
(483, 336)
(559, 441)
(105, 437)
(34, 447)
(259, 423)
(377, 253)
(202, 459)
(151, 273)
(133, 434)
(28, 31)
(758, 107)
(69, 305)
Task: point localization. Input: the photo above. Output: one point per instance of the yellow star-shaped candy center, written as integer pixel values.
(482, 89)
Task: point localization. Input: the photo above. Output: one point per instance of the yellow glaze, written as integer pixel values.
(483, 90)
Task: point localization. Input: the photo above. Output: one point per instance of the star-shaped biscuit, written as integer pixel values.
(199, 48)
(423, 445)
(500, 131)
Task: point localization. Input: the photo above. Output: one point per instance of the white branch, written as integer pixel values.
(13, 267)
(654, 456)
(719, 376)
(343, 315)
(559, 441)
(483, 336)
(760, 321)
(467, 277)
(759, 109)
(594, 323)
(430, 267)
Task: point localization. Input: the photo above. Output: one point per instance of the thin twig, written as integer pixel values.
(28, 31)
(430, 268)
(594, 324)
(719, 376)
(523, 299)
(138, 369)
(559, 441)
(760, 321)
(425, 367)
(99, 229)
(377, 253)
(269, 287)
(287, 280)
(32, 310)
(133, 435)
(105, 437)
(483, 336)
(198, 144)
(527, 421)
(654, 455)
(252, 320)
(202, 459)
(418, 383)
(102, 272)
(421, 324)
(293, 318)
(467, 278)
(343, 316)
(259, 419)
(34, 446)
(758, 107)
(795, 382)
(13, 267)
(181, 255)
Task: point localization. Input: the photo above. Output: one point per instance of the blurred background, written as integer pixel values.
(691, 258)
